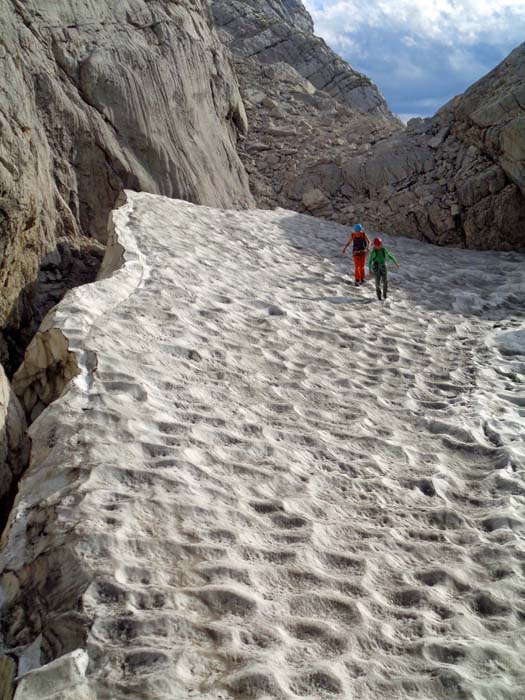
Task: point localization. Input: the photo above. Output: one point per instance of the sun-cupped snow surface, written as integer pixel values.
(295, 490)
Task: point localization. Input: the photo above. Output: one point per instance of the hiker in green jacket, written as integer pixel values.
(377, 266)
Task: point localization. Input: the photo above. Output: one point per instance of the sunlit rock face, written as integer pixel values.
(102, 96)
(316, 147)
(276, 31)
(14, 444)
(458, 178)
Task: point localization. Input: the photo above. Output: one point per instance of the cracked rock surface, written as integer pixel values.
(273, 31)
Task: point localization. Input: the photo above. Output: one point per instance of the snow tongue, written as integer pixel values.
(260, 481)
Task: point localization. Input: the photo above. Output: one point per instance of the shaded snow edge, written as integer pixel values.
(70, 323)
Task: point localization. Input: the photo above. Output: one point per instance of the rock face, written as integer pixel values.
(281, 31)
(14, 444)
(455, 179)
(458, 178)
(307, 109)
(300, 138)
(99, 96)
(47, 369)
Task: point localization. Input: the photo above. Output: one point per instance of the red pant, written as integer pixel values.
(359, 264)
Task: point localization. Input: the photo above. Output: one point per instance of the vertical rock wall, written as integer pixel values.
(14, 445)
(94, 97)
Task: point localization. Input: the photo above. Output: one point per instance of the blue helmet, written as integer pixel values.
(358, 228)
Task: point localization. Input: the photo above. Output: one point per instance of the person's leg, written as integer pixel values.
(377, 275)
(361, 268)
(356, 266)
(385, 283)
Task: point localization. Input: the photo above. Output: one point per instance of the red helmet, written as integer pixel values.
(378, 243)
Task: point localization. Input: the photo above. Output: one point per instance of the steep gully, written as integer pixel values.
(48, 367)
(262, 444)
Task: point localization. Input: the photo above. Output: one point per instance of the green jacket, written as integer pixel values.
(379, 256)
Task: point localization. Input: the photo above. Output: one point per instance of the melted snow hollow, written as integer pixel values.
(276, 486)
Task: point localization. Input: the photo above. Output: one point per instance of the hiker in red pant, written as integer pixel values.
(361, 246)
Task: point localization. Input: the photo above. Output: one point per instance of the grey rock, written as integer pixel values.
(14, 443)
(47, 369)
(317, 203)
(61, 678)
(281, 31)
(436, 141)
(105, 95)
(280, 131)
(446, 179)
(455, 179)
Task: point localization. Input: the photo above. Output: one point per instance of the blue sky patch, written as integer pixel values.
(420, 53)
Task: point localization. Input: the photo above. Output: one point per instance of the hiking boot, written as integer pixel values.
(379, 296)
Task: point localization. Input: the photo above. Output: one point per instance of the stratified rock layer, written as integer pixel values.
(274, 31)
(94, 97)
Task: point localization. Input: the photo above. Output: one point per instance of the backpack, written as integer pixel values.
(359, 244)
(379, 260)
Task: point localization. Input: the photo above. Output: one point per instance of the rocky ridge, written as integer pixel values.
(275, 31)
(308, 110)
(95, 97)
(458, 178)
(300, 140)
(454, 179)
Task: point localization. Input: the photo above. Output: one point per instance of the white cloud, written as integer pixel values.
(405, 118)
(420, 52)
(448, 21)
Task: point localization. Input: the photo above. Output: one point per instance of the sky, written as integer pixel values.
(420, 53)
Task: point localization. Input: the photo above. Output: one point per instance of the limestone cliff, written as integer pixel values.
(455, 179)
(95, 97)
(458, 178)
(274, 31)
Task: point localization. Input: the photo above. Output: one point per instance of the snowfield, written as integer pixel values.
(265, 483)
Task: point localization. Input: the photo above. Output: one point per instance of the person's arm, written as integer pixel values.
(389, 254)
(367, 243)
(347, 243)
(371, 259)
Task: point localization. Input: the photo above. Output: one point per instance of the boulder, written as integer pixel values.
(317, 203)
